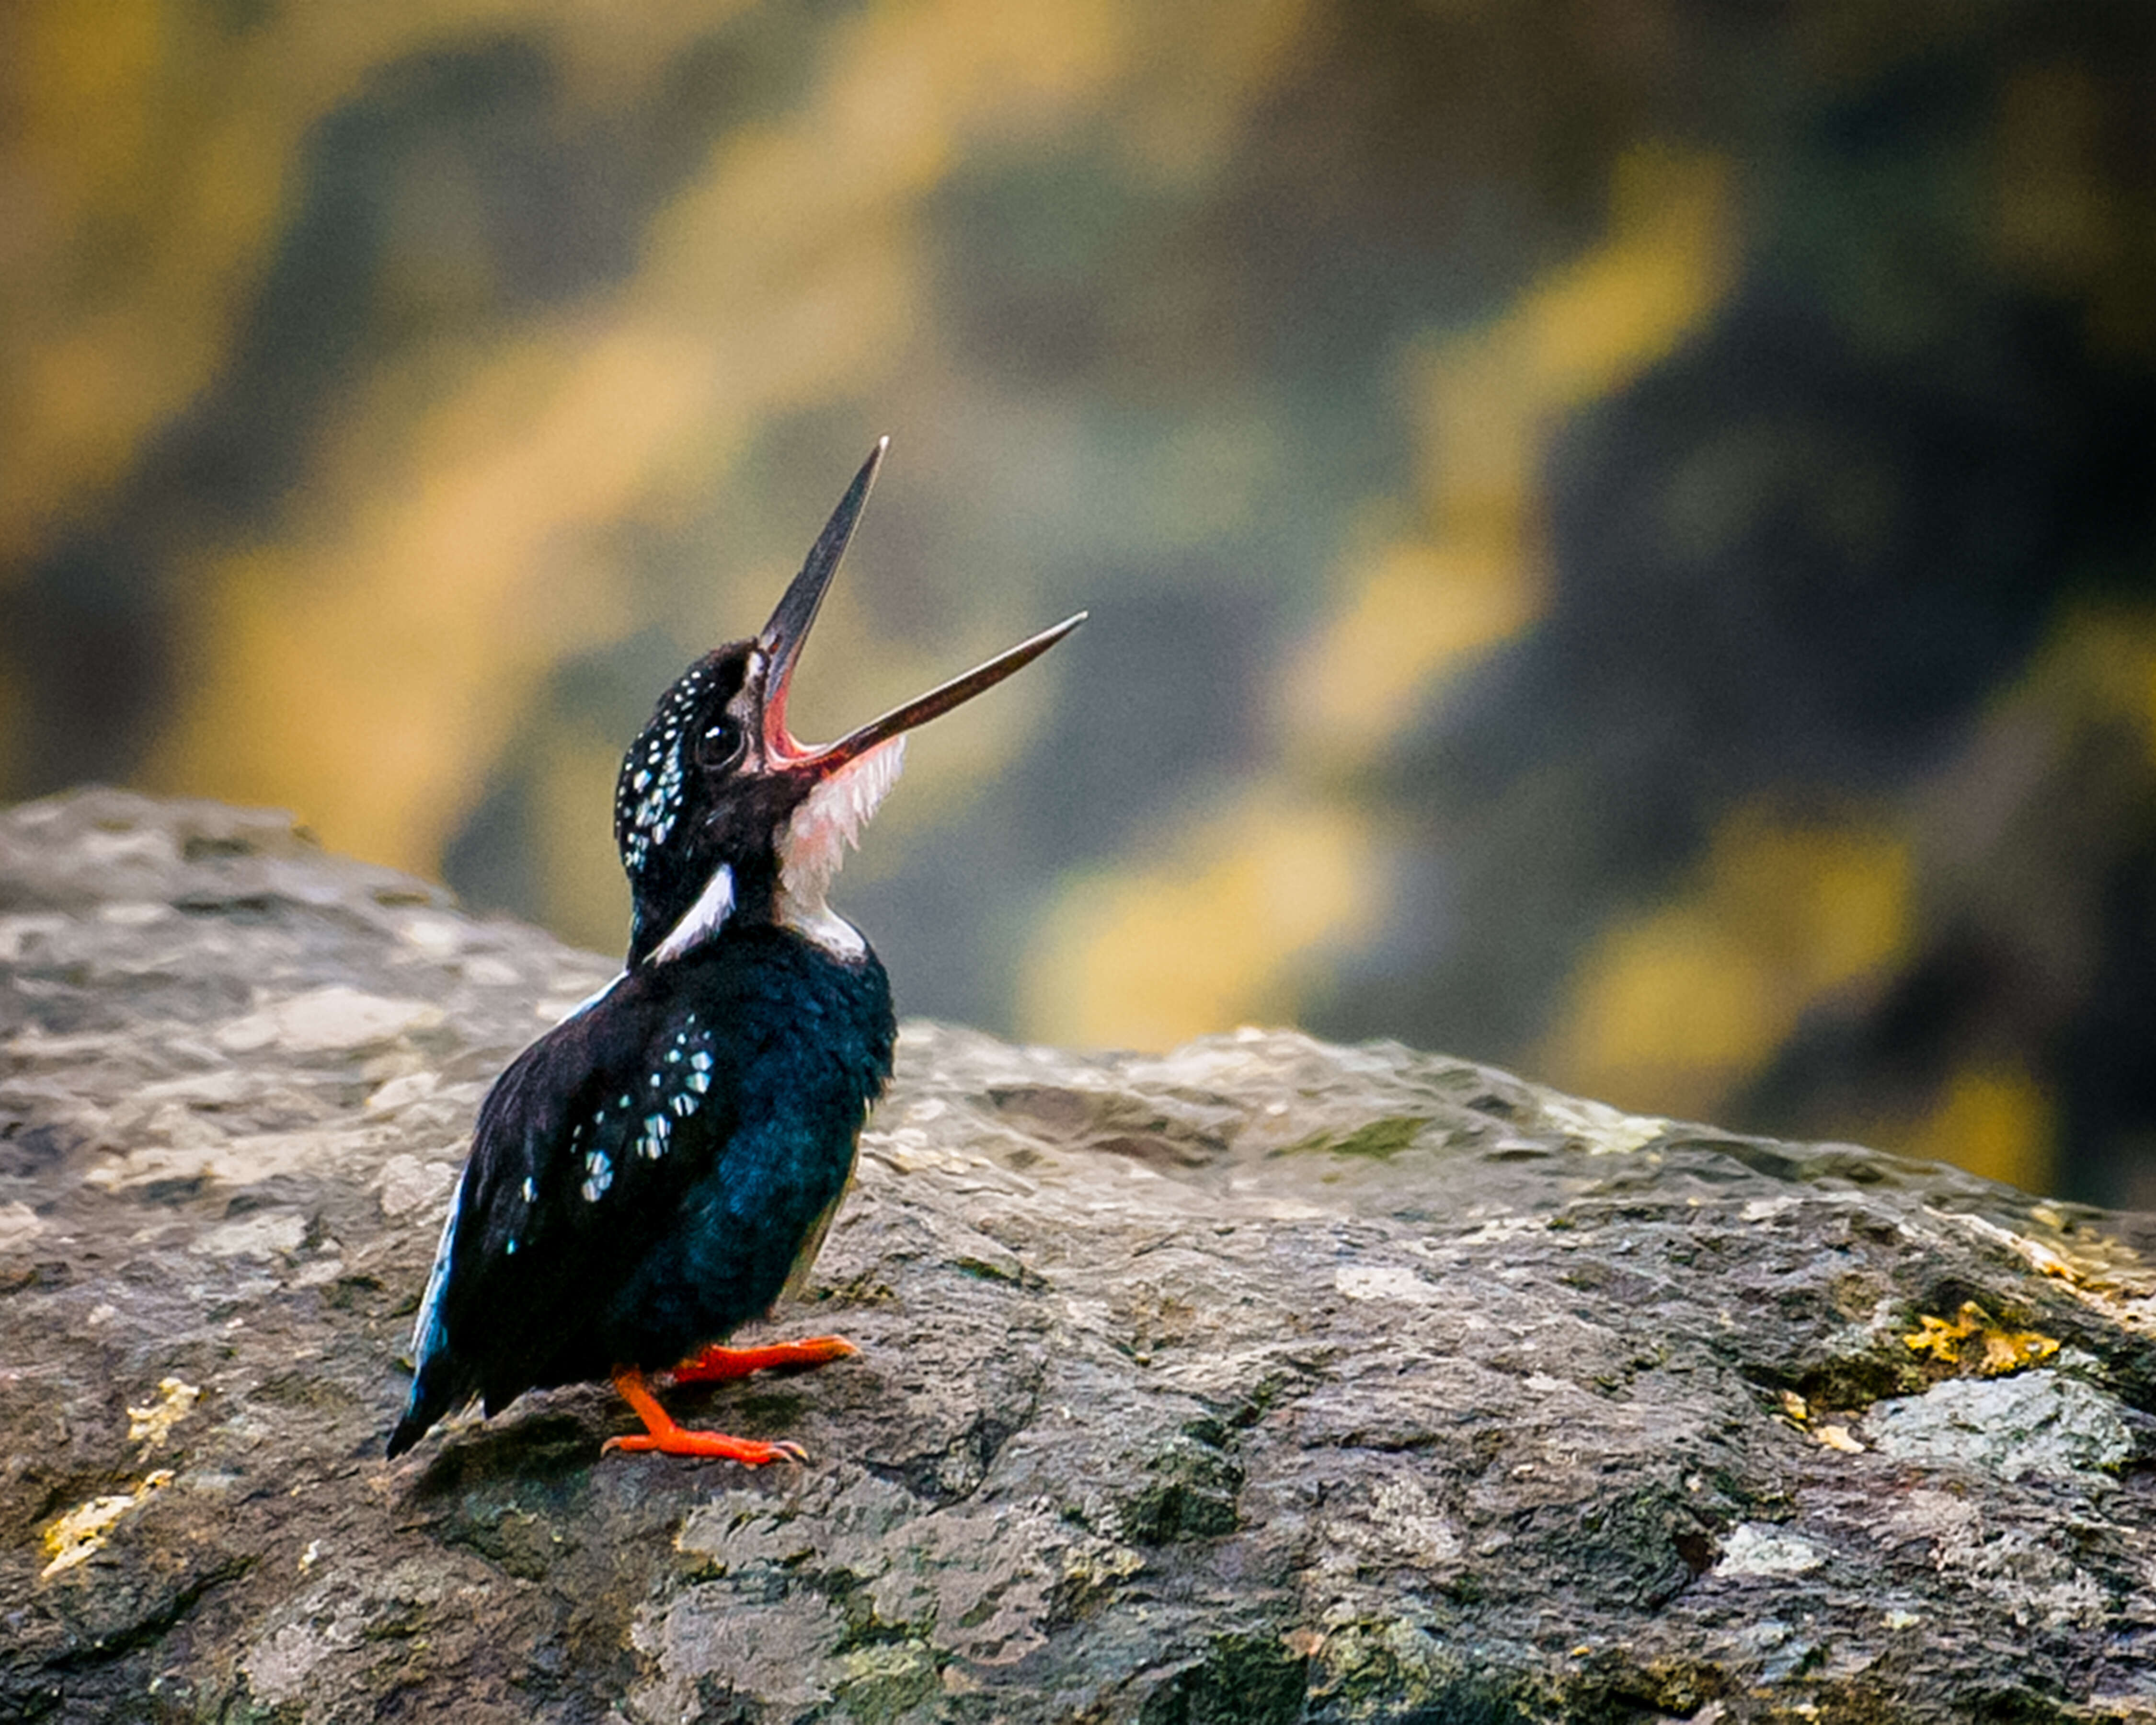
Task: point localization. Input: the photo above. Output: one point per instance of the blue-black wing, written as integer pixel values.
(582, 1155)
(646, 1175)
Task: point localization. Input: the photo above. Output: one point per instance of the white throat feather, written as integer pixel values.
(815, 842)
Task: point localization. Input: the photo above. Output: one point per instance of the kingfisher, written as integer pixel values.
(662, 1165)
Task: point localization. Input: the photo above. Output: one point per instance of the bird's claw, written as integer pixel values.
(714, 1444)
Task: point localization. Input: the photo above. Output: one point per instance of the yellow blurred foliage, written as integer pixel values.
(1208, 937)
(1993, 1120)
(458, 526)
(150, 147)
(1219, 934)
(2061, 223)
(1599, 321)
(1421, 608)
(1489, 399)
(587, 900)
(1669, 1010)
(450, 560)
(2098, 667)
(367, 672)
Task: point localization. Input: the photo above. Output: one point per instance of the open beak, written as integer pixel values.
(782, 637)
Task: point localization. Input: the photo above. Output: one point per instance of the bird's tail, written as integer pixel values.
(436, 1388)
(432, 1396)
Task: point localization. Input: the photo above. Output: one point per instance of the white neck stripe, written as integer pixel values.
(705, 918)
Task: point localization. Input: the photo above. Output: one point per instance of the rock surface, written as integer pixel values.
(1264, 1381)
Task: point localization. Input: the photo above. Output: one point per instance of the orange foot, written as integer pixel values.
(662, 1434)
(716, 1365)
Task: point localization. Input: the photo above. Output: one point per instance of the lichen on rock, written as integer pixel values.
(1262, 1380)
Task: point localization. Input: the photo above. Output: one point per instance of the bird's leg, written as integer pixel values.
(662, 1434)
(716, 1365)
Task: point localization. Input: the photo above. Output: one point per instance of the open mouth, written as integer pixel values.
(782, 638)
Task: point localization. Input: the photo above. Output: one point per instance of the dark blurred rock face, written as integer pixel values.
(1888, 540)
(1263, 1380)
(1866, 550)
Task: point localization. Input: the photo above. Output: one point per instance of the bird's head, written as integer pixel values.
(722, 816)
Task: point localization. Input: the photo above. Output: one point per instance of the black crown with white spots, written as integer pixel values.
(691, 799)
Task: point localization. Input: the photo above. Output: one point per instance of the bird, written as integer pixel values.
(662, 1165)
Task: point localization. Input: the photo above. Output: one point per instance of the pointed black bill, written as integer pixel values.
(942, 698)
(788, 628)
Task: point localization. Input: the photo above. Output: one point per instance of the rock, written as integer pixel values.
(2041, 1422)
(1261, 1381)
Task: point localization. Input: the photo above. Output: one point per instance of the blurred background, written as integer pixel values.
(1620, 532)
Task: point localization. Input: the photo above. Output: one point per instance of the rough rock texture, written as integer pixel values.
(1264, 1381)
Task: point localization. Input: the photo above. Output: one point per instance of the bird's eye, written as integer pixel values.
(720, 745)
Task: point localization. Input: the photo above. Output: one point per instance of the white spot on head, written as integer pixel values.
(649, 800)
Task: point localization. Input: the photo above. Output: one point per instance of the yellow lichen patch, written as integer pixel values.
(1969, 1341)
(2009, 1350)
(1799, 1412)
(77, 1535)
(151, 1426)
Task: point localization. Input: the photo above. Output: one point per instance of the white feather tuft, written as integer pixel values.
(815, 840)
